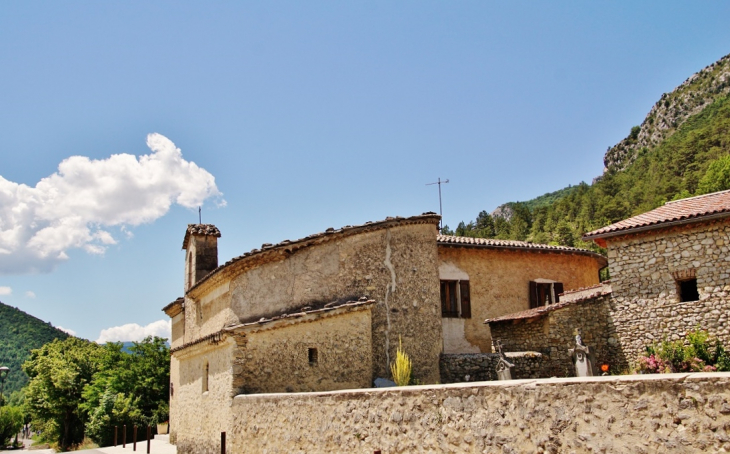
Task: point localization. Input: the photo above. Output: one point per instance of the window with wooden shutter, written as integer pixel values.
(544, 293)
(465, 299)
(448, 299)
(533, 295)
(558, 286)
(455, 299)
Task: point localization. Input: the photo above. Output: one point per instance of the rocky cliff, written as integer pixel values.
(673, 109)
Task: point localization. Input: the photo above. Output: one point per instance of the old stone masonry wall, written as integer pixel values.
(645, 307)
(553, 334)
(470, 367)
(635, 413)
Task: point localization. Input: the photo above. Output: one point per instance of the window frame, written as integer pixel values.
(682, 292)
(456, 297)
(544, 293)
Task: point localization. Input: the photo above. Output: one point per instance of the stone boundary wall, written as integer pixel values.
(552, 335)
(612, 414)
(471, 367)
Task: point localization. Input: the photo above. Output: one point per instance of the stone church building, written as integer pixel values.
(328, 311)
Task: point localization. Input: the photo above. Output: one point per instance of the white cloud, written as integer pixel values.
(134, 332)
(66, 330)
(6, 290)
(29, 294)
(74, 207)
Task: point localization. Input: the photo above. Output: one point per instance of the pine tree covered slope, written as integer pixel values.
(648, 168)
(19, 334)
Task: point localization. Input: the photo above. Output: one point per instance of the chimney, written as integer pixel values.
(201, 257)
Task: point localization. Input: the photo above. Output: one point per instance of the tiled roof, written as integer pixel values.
(175, 307)
(200, 229)
(447, 240)
(292, 245)
(692, 209)
(600, 290)
(294, 315)
(306, 310)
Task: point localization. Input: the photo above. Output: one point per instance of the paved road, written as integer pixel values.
(156, 447)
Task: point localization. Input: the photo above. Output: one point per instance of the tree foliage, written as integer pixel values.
(694, 160)
(59, 371)
(19, 334)
(11, 420)
(78, 388)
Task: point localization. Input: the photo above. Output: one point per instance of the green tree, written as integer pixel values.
(11, 420)
(129, 388)
(59, 371)
(717, 177)
(484, 225)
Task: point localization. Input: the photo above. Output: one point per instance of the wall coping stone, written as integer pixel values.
(532, 383)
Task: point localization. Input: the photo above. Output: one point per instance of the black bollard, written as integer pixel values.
(134, 444)
(149, 431)
(124, 436)
(115, 436)
(223, 443)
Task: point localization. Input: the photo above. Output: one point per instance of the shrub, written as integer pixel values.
(11, 420)
(701, 354)
(402, 367)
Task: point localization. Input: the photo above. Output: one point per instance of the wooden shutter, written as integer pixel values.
(558, 286)
(533, 294)
(448, 299)
(465, 300)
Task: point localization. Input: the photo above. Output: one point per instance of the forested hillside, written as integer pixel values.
(19, 334)
(689, 157)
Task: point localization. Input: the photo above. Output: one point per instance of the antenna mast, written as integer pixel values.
(439, 182)
(200, 215)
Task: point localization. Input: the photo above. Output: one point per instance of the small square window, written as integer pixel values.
(688, 290)
(313, 356)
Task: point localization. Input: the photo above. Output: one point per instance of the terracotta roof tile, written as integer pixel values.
(200, 229)
(542, 310)
(448, 240)
(691, 209)
(428, 218)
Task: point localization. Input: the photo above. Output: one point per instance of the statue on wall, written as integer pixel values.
(582, 357)
(504, 368)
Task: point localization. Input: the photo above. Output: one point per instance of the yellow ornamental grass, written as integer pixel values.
(402, 367)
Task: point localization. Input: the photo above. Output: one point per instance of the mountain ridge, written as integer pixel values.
(20, 333)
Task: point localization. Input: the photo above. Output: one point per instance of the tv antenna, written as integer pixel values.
(200, 215)
(439, 182)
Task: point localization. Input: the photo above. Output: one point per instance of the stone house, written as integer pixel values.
(670, 274)
(327, 311)
(504, 277)
(670, 271)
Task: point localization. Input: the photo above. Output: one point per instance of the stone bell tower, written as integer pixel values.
(201, 257)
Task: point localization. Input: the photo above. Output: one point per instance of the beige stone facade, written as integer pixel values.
(499, 278)
(646, 270)
(328, 311)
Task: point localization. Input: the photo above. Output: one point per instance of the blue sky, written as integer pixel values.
(308, 115)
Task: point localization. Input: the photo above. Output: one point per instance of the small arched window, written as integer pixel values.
(190, 269)
(206, 372)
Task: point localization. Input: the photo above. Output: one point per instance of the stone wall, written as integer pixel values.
(646, 307)
(394, 264)
(551, 334)
(499, 281)
(639, 413)
(276, 358)
(471, 367)
(196, 414)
